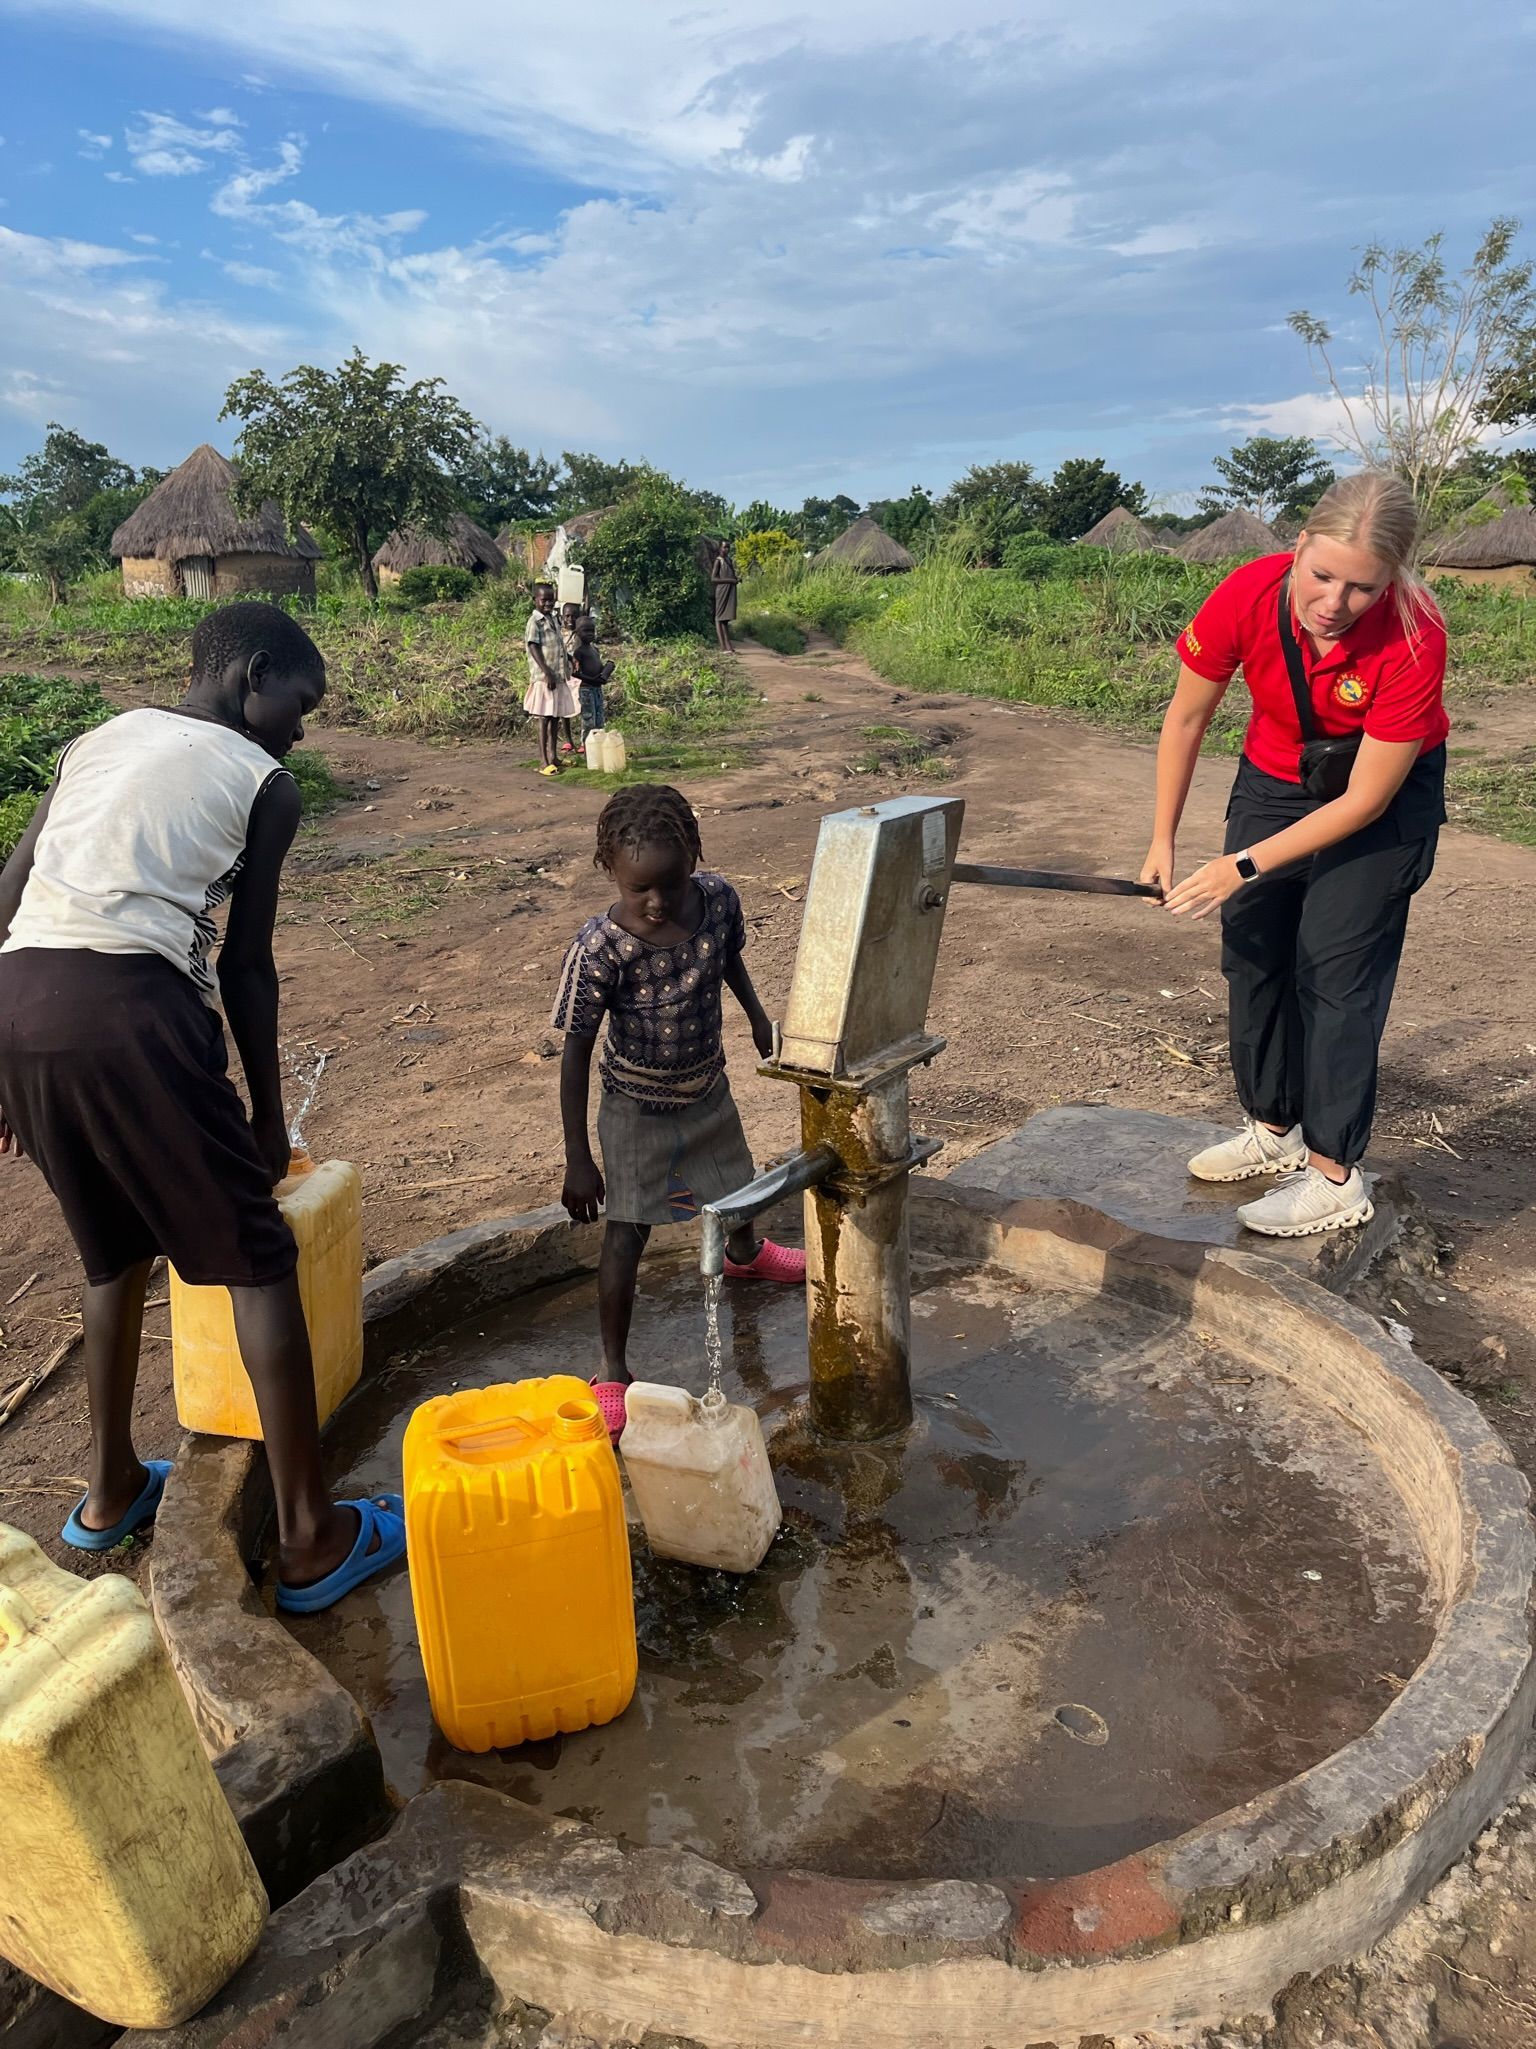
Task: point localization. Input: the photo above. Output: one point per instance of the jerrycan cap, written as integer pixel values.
(576, 1421)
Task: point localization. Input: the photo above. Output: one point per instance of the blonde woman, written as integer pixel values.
(1331, 828)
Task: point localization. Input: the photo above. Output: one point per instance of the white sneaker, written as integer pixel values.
(1254, 1150)
(1309, 1202)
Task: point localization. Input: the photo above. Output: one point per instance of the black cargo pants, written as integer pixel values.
(1310, 955)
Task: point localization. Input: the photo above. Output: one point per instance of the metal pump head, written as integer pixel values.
(869, 940)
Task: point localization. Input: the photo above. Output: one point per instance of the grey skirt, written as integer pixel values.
(662, 1166)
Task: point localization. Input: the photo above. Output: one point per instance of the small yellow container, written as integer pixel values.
(124, 1884)
(519, 1562)
(324, 1209)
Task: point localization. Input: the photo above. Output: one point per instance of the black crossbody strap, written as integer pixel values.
(1294, 664)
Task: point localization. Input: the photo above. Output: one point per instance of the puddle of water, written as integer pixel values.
(1109, 1586)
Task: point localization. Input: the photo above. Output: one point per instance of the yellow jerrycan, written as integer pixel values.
(125, 1884)
(519, 1562)
(324, 1209)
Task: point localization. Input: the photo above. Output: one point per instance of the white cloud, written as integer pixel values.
(149, 241)
(257, 275)
(119, 178)
(91, 337)
(221, 117)
(93, 145)
(165, 147)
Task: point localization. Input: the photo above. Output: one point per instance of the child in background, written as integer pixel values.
(549, 697)
(112, 1066)
(671, 1137)
(592, 673)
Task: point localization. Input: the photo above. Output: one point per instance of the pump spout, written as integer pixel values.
(791, 1177)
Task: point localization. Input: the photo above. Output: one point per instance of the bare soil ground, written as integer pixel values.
(424, 921)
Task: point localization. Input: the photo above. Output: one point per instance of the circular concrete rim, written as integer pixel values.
(1314, 1869)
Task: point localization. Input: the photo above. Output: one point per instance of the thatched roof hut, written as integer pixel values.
(1482, 550)
(1236, 536)
(1120, 530)
(188, 539)
(462, 545)
(866, 545)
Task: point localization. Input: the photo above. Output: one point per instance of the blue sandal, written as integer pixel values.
(143, 1511)
(382, 1518)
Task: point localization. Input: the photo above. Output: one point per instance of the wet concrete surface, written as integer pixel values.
(1112, 1583)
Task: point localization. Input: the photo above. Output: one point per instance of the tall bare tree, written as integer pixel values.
(1441, 350)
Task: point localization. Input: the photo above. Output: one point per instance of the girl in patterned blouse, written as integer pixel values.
(655, 965)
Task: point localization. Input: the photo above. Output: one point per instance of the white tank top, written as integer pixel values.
(144, 837)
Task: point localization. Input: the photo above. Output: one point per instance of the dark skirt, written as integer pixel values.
(725, 600)
(113, 1074)
(663, 1166)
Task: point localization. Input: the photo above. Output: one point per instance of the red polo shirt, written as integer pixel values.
(1377, 680)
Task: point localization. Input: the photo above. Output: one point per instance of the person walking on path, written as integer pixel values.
(723, 583)
(1332, 827)
(549, 697)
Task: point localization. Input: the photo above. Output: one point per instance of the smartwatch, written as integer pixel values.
(1247, 867)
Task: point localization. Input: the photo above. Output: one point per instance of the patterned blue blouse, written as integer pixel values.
(664, 1048)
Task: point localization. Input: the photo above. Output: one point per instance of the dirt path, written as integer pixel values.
(424, 922)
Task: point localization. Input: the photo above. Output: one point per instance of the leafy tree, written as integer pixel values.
(991, 503)
(1513, 405)
(355, 449)
(820, 520)
(1447, 354)
(762, 518)
(66, 473)
(501, 484)
(1269, 475)
(56, 550)
(1080, 494)
(910, 520)
(75, 480)
(643, 554)
(589, 483)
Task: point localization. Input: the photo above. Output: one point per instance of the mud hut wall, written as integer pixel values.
(146, 576)
(1518, 576)
(279, 576)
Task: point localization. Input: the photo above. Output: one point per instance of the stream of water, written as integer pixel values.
(714, 1353)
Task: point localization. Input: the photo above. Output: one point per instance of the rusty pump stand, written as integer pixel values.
(855, 1028)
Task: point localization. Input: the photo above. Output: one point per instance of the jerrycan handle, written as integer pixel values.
(18, 1617)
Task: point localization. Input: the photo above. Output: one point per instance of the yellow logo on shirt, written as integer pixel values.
(1190, 641)
(1349, 690)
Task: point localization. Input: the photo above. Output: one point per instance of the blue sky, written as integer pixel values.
(774, 248)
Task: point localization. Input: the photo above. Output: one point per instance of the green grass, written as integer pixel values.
(39, 716)
(773, 629)
(1496, 796)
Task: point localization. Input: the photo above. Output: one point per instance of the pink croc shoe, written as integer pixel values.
(610, 1398)
(781, 1263)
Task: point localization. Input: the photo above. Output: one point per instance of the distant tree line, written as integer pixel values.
(357, 452)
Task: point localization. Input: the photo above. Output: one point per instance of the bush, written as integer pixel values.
(432, 583)
(643, 558)
(770, 549)
(1033, 557)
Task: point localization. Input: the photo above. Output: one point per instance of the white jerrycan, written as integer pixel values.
(701, 1478)
(594, 749)
(615, 754)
